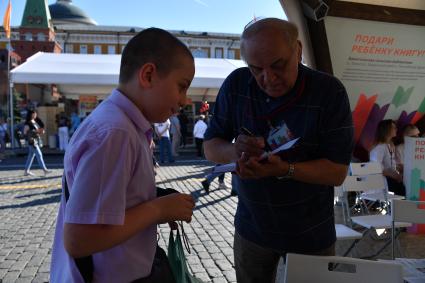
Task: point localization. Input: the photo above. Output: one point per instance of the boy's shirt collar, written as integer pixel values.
(131, 110)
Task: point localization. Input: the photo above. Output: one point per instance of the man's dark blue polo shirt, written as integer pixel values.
(287, 215)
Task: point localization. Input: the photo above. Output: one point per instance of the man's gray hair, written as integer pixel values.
(288, 29)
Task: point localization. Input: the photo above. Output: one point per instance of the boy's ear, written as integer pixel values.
(146, 74)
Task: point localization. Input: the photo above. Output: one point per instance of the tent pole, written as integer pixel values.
(10, 88)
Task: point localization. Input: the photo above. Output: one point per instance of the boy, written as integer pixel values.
(113, 210)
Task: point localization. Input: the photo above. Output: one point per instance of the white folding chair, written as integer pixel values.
(365, 168)
(407, 211)
(345, 233)
(375, 182)
(371, 168)
(332, 269)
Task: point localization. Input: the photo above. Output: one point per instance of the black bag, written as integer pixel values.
(161, 269)
(33, 137)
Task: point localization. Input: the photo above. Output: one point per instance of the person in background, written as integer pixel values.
(33, 130)
(19, 134)
(175, 132)
(183, 127)
(3, 137)
(63, 132)
(198, 133)
(210, 177)
(383, 152)
(75, 122)
(409, 130)
(162, 130)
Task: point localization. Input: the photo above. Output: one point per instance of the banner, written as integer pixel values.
(414, 172)
(6, 20)
(382, 66)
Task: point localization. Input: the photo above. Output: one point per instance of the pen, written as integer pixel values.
(245, 131)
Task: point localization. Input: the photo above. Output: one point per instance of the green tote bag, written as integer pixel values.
(177, 260)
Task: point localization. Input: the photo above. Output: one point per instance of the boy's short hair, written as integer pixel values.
(152, 45)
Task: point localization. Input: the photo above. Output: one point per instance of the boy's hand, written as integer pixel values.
(174, 207)
(173, 225)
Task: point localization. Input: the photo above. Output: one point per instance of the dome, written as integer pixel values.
(63, 12)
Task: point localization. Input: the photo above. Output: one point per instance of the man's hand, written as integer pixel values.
(252, 146)
(253, 168)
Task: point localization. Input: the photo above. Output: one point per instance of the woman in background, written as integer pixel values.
(33, 128)
(384, 153)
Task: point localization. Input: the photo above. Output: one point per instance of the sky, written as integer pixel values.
(226, 16)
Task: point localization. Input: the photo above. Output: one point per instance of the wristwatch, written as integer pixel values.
(290, 173)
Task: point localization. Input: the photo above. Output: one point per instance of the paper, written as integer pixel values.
(413, 269)
(231, 167)
(281, 148)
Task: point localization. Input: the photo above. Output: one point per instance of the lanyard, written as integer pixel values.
(391, 151)
(285, 106)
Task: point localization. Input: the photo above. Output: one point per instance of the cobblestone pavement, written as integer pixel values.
(28, 207)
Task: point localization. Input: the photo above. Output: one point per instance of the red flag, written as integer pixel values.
(6, 20)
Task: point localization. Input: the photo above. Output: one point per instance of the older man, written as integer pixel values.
(285, 204)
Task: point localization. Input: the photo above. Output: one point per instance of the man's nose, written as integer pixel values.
(269, 76)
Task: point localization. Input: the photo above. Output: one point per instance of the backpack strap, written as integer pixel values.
(84, 264)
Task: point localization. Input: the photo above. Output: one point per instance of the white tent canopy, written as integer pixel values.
(88, 74)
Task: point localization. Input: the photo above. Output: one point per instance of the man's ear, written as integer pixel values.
(146, 74)
(300, 51)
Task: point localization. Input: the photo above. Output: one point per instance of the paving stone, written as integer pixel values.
(214, 272)
(204, 255)
(3, 272)
(18, 265)
(224, 265)
(45, 267)
(35, 261)
(219, 280)
(41, 277)
(218, 256)
(13, 256)
(24, 280)
(196, 268)
(29, 272)
(7, 264)
(10, 276)
(230, 275)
